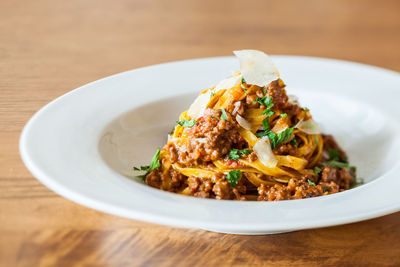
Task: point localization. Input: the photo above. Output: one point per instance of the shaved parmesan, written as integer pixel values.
(242, 122)
(196, 110)
(308, 126)
(264, 152)
(256, 67)
(237, 106)
(228, 83)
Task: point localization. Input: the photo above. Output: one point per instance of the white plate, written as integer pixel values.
(83, 145)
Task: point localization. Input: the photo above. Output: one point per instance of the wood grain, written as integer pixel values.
(49, 47)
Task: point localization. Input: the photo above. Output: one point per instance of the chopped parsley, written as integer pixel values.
(265, 123)
(233, 177)
(154, 164)
(186, 123)
(243, 87)
(279, 138)
(335, 163)
(264, 91)
(357, 183)
(224, 116)
(265, 101)
(333, 154)
(283, 115)
(294, 142)
(236, 154)
(212, 93)
(212, 117)
(316, 139)
(317, 170)
(325, 189)
(310, 182)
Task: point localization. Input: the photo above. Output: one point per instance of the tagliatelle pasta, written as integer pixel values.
(244, 141)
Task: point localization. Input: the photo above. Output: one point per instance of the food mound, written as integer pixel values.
(246, 139)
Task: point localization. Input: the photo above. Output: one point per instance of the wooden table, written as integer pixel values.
(49, 47)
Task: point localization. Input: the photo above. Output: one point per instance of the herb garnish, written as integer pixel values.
(233, 177)
(283, 115)
(305, 109)
(325, 189)
(316, 140)
(243, 87)
(212, 117)
(317, 170)
(294, 142)
(335, 163)
(212, 93)
(186, 123)
(310, 182)
(236, 154)
(224, 116)
(154, 164)
(265, 101)
(279, 138)
(333, 154)
(357, 183)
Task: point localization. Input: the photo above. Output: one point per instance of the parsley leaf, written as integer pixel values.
(236, 154)
(243, 87)
(186, 123)
(279, 138)
(224, 116)
(294, 142)
(154, 164)
(212, 93)
(265, 123)
(283, 115)
(233, 177)
(316, 139)
(317, 170)
(357, 183)
(335, 163)
(333, 154)
(265, 101)
(325, 189)
(310, 182)
(268, 112)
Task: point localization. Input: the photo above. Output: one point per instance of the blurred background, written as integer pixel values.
(48, 48)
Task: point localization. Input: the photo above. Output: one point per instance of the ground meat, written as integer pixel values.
(276, 90)
(154, 179)
(172, 180)
(286, 149)
(295, 189)
(341, 177)
(211, 139)
(330, 143)
(306, 190)
(221, 189)
(273, 193)
(217, 188)
(331, 187)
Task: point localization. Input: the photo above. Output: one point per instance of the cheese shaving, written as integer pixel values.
(257, 67)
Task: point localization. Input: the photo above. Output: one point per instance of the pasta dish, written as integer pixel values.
(246, 139)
